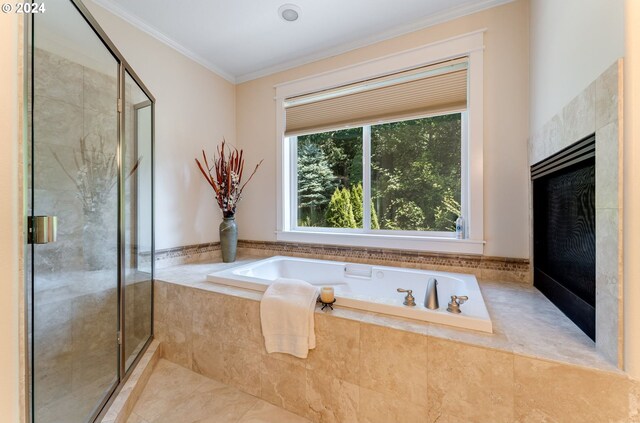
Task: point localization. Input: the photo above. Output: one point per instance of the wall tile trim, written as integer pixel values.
(495, 268)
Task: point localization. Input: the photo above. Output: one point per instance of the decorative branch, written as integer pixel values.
(96, 173)
(225, 176)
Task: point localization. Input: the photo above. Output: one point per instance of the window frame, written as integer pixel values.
(366, 182)
(470, 45)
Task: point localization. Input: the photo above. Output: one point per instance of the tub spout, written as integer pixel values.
(431, 296)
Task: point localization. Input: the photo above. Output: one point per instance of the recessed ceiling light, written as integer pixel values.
(289, 12)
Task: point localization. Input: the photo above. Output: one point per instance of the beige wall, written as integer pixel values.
(505, 125)
(195, 108)
(9, 220)
(631, 208)
(572, 43)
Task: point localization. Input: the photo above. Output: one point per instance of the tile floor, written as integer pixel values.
(178, 395)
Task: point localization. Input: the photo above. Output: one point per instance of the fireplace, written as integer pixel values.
(564, 216)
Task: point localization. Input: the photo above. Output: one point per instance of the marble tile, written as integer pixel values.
(551, 392)
(208, 314)
(553, 135)
(330, 399)
(173, 319)
(498, 339)
(175, 394)
(122, 406)
(528, 324)
(376, 407)
(608, 260)
(469, 384)
(136, 418)
(534, 144)
(524, 319)
(236, 366)
(337, 351)
(395, 322)
(211, 402)
(59, 123)
(608, 296)
(57, 78)
(101, 126)
(209, 357)
(243, 369)
(547, 140)
(263, 412)
(607, 96)
(245, 314)
(579, 116)
(169, 386)
(284, 384)
(607, 166)
(607, 325)
(51, 174)
(393, 362)
(100, 89)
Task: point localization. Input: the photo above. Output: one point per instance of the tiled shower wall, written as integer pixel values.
(597, 109)
(71, 103)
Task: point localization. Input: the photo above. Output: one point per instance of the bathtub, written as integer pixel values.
(370, 288)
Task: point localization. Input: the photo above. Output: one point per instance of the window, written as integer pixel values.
(390, 160)
(414, 184)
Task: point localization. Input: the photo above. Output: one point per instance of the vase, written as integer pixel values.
(228, 239)
(96, 241)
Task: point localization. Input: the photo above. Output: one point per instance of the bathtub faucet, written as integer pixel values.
(409, 300)
(456, 301)
(431, 296)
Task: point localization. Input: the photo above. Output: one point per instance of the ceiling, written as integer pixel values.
(246, 39)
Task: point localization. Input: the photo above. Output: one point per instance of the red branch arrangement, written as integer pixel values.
(225, 176)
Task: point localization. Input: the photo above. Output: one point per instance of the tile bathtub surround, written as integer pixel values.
(483, 267)
(597, 109)
(375, 368)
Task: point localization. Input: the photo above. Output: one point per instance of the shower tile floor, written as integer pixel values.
(178, 395)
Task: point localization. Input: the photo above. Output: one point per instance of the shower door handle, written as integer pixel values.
(42, 229)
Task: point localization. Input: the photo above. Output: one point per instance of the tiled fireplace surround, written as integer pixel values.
(597, 109)
(376, 369)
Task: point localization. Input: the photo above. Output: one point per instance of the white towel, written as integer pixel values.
(286, 313)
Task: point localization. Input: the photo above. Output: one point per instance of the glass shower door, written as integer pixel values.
(74, 176)
(138, 218)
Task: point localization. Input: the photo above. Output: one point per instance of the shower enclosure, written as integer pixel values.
(89, 258)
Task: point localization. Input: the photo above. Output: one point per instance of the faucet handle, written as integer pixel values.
(409, 300)
(461, 299)
(456, 301)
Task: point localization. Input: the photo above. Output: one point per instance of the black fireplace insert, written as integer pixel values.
(564, 227)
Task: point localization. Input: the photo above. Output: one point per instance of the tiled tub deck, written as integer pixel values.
(368, 367)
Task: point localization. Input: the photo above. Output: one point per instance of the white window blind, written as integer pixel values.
(436, 88)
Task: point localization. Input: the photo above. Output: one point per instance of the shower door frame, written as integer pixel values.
(123, 68)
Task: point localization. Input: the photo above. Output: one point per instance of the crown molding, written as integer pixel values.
(130, 18)
(444, 16)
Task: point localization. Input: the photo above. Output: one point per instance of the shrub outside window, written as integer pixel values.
(410, 171)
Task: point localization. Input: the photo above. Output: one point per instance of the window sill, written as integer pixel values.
(403, 242)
